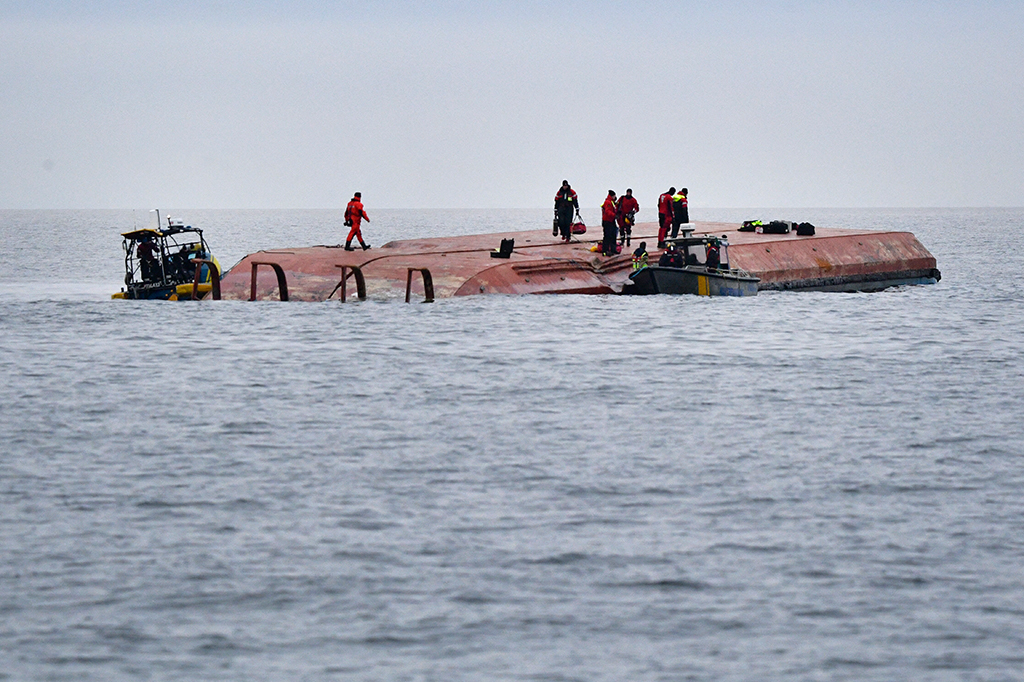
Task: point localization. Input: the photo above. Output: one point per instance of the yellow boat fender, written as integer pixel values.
(184, 291)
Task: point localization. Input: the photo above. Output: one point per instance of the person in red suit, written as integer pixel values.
(626, 216)
(354, 215)
(664, 215)
(609, 209)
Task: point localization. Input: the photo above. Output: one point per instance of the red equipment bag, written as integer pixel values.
(578, 227)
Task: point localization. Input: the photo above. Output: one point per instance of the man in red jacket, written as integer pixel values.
(664, 215)
(354, 215)
(626, 216)
(608, 211)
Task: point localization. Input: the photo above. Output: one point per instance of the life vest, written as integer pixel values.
(639, 260)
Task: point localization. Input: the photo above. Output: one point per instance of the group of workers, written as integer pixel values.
(673, 211)
(672, 257)
(618, 215)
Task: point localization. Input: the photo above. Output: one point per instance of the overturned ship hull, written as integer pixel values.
(419, 269)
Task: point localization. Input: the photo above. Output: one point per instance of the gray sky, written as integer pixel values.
(263, 104)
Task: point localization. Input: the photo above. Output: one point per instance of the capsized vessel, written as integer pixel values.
(539, 263)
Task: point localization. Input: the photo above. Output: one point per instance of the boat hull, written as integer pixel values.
(862, 283)
(831, 260)
(174, 292)
(698, 281)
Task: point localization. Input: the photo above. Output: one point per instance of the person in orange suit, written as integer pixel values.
(354, 215)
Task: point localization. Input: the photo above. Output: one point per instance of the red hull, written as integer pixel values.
(542, 264)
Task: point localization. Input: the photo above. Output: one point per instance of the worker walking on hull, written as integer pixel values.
(354, 215)
(566, 205)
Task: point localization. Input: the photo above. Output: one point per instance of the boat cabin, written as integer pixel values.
(703, 270)
(708, 251)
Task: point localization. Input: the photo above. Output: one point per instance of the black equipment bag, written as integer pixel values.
(778, 227)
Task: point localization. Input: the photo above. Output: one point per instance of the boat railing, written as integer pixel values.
(214, 278)
(428, 284)
(282, 282)
(357, 274)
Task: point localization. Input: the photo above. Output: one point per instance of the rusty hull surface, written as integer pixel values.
(542, 264)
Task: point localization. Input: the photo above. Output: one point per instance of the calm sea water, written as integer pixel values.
(795, 486)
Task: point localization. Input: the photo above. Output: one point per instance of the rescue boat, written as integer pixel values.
(171, 262)
(702, 269)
